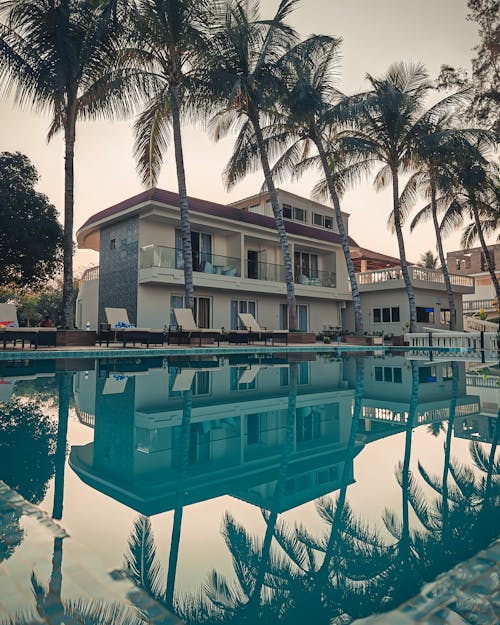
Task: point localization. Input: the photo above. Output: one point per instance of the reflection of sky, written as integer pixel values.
(103, 524)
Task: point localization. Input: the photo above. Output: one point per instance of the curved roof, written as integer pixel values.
(208, 208)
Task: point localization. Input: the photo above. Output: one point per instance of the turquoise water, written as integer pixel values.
(244, 487)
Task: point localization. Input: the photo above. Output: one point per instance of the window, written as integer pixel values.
(253, 429)
(299, 214)
(308, 425)
(322, 220)
(292, 212)
(112, 244)
(425, 314)
(444, 316)
(201, 312)
(302, 317)
(241, 306)
(201, 246)
(386, 315)
(235, 374)
(302, 374)
(447, 372)
(389, 374)
(458, 264)
(426, 374)
(201, 384)
(305, 265)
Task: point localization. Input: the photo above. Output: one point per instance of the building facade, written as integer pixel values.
(236, 260)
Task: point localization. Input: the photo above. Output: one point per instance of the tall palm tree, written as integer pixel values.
(59, 56)
(243, 75)
(436, 144)
(168, 35)
(308, 114)
(385, 123)
(65, 383)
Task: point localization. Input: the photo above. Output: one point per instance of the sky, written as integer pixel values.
(375, 33)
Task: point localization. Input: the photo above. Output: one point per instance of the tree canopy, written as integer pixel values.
(30, 234)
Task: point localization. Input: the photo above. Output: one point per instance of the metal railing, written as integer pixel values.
(475, 305)
(92, 273)
(203, 262)
(423, 274)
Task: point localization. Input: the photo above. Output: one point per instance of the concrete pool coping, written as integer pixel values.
(127, 352)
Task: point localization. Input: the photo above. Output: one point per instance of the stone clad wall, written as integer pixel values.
(118, 268)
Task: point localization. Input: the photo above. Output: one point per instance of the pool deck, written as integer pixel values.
(468, 594)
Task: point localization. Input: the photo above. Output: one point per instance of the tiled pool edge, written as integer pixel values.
(200, 351)
(461, 596)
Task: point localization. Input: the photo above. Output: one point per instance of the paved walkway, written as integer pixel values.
(469, 594)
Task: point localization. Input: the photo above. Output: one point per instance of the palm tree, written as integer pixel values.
(429, 260)
(307, 116)
(60, 56)
(168, 35)
(436, 144)
(65, 383)
(243, 74)
(384, 125)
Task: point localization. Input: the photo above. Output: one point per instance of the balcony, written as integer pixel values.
(154, 257)
(420, 277)
(475, 305)
(160, 257)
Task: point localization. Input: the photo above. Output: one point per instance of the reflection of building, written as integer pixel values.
(387, 391)
(236, 428)
(15, 371)
(481, 427)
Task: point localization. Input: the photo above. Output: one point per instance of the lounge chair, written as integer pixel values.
(10, 332)
(256, 333)
(119, 328)
(187, 329)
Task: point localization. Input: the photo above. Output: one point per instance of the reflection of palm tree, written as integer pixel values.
(51, 608)
(65, 391)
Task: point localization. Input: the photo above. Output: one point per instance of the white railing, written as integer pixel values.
(92, 273)
(472, 324)
(462, 340)
(434, 276)
(85, 418)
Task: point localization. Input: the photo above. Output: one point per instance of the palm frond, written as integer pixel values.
(141, 558)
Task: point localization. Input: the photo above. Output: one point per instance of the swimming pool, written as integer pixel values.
(242, 487)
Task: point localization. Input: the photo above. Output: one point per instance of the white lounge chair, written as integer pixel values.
(248, 321)
(119, 328)
(186, 328)
(10, 332)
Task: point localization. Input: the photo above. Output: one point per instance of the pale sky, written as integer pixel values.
(375, 33)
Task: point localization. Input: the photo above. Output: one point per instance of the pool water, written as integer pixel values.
(242, 488)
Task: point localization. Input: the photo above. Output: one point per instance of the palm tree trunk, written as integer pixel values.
(69, 183)
(356, 300)
(335, 532)
(486, 252)
(278, 218)
(447, 451)
(402, 252)
(187, 254)
(179, 504)
(442, 260)
(279, 491)
(65, 382)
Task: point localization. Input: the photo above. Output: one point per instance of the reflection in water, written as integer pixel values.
(276, 434)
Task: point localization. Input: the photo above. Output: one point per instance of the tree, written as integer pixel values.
(243, 74)
(485, 76)
(168, 37)
(30, 235)
(60, 56)
(385, 124)
(307, 116)
(428, 260)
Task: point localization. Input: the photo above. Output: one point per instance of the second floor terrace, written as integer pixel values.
(421, 277)
(225, 269)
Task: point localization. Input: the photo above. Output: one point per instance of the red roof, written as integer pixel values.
(218, 210)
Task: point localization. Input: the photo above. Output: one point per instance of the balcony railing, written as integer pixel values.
(170, 258)
(423, 274)
(90, 274)
(475, 305)
(203, 262)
